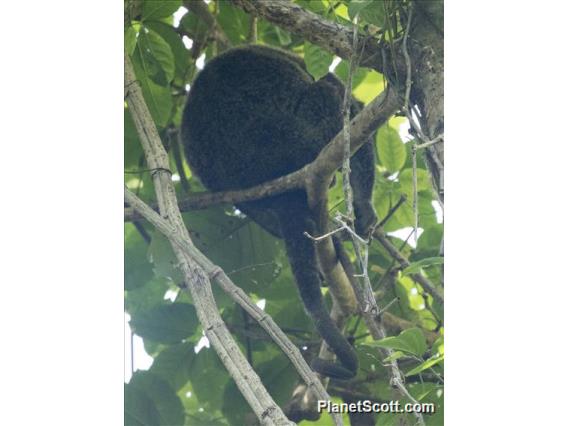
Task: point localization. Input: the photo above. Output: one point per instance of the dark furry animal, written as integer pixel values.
(254, 114)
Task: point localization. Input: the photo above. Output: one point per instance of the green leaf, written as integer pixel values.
(139, 409)
(370, 87)
(146, 297)
(316, 6)
(317, 60)
(130, 38)
(208, 377)
(395, 355)
(283, 36)
(156, 9)
(423, 390)
(234, 406)
(356, 6)
(409, 294)
(234, 21)
(430, 240)
(415, 267)
(436, 359)
(411, 341)
(279, 377)
(137, 270)
(162, 256)
(181, 54)
(392, 153)
(342, 71)
(173, 364)
(167, 403)
(372, 11)
(240, 247)
(133, 153)
(158, 98)
(169, 323)
(157, 56)
(422, 181)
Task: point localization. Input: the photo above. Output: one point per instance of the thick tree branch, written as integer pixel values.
(315, 175)
(425, 47)
(331, 36)
(248, 382)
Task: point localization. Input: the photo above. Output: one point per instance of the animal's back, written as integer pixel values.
(245, 120)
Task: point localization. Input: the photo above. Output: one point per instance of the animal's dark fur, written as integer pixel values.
(255, 114)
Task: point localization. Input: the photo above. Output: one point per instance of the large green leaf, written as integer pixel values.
(133, 154)
(369, 87)
(162, 256)
(156, 9)
(371, 11)
(430, 241)
(279, 377)
(158, 98)
(245, 251)
(411, 341)
(208, 377)
(173, 364)
(146, 297)
(429, 363)
(342, 71)
(137, 269)
(130, 38)
(317, 60)
(180, 53)
(316, 6)
(409, 294)
(234, 21)
(392, 153)
(415, 267)
(422, 180)
(157, 56)
(167, 403)
(169, 323)
(139, 409)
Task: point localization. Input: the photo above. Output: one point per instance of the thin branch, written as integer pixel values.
(175, 142)
(439, 138)
(345, 167)
(204, 200)
(253, 30)
(392, 210)
(200, 9)
(429, 288)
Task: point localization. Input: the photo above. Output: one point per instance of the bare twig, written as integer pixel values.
(253, 30)
(173, 135)
(392, 210)
(345, 167)
(396, 254)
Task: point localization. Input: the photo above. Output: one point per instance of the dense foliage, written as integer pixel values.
(188, 387)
